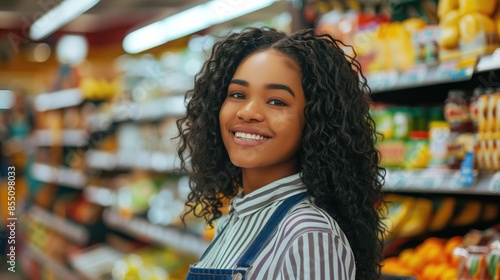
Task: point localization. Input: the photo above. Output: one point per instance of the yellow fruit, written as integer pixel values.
(450, 33)
(449, 38)
(419, 218)
(443, 214)
(469, 214)
(470, 25)
(449, 274)
(445, 6)
(486, 7)
(405, 256)
(413, 24)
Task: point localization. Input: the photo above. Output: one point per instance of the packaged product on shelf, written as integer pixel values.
(473, 263)
(493, 259)
(456, 111)
(403, 123)
(474, 108)
(417, 154)
(466, 170)
(491, 118)
(439, 133)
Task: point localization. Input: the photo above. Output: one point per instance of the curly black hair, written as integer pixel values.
(337, 159)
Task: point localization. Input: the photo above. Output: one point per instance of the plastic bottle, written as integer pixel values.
(439, 134)
(457, 115)
(474, 108)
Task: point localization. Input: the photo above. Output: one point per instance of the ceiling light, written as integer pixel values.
(60, 15)
(188, 22)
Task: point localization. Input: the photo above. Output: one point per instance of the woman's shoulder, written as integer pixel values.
(307, 218)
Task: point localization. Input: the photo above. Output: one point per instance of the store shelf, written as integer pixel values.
(441, 181)
(100, 122)
(419, 75)
(146, 160)
(143, 230)
(59, 99)
(95, 262)
(489, 62)
(99, 195)
(58, 175)
(60, 271)
(152, 110)
(70, 230)
(71, 138)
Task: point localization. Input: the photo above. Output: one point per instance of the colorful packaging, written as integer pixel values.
(439, 134)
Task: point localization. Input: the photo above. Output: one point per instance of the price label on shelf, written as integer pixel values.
(453, 71)
(495, 182)
(414, 76)
(383, 80)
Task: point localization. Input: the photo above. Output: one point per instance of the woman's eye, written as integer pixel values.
(237, 95)
(277, 102)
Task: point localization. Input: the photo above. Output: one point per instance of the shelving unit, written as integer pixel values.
(70, 230)
(420, 84)
(60, 271)
(148, 232)
(59, 175)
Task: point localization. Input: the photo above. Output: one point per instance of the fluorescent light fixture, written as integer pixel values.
(59, 99)
(6, 99)
(57, 17)
(189, 21)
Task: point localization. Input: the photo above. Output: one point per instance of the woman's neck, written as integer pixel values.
(255, 178)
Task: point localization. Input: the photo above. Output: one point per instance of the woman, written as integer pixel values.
(280, 125)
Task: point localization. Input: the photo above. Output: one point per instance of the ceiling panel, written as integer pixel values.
(105, 15)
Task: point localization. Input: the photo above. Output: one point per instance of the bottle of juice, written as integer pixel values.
(439, 134)
(474, 107)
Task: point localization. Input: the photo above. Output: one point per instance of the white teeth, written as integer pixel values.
(248, 136)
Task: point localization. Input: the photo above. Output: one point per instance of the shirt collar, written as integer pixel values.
(275, 191)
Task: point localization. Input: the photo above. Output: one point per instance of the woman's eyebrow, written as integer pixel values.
(280, 86)
(268, 86)
(239, 82)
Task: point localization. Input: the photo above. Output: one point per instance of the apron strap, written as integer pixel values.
(261, 239)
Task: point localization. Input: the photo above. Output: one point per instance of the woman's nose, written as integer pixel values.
(250, 111)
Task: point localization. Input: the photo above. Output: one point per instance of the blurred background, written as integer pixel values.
(90, 90)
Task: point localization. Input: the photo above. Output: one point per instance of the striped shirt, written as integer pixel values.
(308, 243)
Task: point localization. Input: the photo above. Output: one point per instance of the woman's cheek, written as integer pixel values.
(283, 121)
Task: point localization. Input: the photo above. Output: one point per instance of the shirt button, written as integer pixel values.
(237, 276)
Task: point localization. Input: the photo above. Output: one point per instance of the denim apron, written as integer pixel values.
(240, 271)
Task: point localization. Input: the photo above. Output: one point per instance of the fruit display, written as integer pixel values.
(468, 28)
(409, 216)
(474, 256)
(432, 259)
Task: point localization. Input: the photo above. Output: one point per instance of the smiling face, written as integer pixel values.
(262, 118)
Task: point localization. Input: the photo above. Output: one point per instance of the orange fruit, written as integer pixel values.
(393, 266)
(428, 271)
(417, 263)
(451, 244)
(449, 274)
(405, 256)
